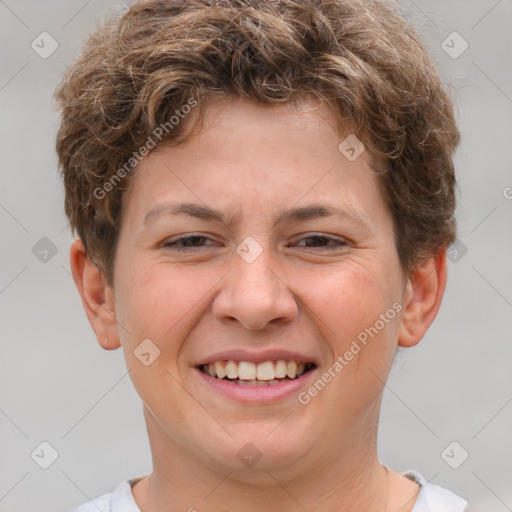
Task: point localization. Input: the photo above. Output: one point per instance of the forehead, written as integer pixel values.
(257, 155)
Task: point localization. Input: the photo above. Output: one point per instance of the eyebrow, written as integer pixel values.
(203, 212)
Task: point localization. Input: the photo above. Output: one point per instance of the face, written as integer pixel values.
(285, 255)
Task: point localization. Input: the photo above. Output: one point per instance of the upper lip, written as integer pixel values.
(257, 357)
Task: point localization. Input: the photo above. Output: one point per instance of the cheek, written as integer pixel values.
(156, 303)
(160, 302)
(347, 301)
(347, 306)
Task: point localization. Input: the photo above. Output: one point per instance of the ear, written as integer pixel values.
(422, 299)
(97, 297)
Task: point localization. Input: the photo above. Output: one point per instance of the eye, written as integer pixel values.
(186, 242)
(321, 242)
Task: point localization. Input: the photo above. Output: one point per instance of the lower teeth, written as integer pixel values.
(259, 382)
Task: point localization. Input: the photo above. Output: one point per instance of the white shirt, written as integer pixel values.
(431, 498)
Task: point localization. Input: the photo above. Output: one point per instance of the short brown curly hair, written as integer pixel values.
(361, 57)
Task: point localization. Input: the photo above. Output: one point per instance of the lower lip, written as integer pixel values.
(262, 394)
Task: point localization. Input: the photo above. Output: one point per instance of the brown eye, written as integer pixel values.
(187, 241)
(322, 242)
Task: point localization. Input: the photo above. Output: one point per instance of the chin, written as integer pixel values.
(257, 447)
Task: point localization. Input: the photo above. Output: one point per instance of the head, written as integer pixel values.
(241, 111)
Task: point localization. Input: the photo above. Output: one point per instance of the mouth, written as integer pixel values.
(249, 374)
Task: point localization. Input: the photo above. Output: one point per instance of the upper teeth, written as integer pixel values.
(245, 370)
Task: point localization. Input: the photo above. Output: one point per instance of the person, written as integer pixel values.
(263, 193)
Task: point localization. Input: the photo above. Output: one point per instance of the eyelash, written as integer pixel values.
(173, 245)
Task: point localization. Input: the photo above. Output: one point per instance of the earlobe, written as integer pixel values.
(422, 299)
(96, 296)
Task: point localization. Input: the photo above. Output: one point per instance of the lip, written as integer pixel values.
(257, 357)
(257, 394)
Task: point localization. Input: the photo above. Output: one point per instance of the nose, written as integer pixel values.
(255, 294)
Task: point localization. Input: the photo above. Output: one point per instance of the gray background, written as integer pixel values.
(57, 385)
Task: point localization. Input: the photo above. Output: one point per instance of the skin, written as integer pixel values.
(256, 160)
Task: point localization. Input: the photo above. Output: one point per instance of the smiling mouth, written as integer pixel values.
(246, 373)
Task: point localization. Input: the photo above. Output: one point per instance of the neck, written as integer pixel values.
(348, 477)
